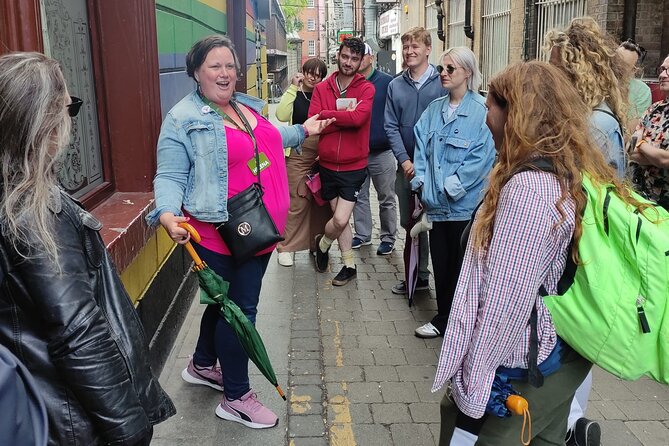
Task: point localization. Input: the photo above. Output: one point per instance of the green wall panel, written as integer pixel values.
(165, 26)
(182, 22)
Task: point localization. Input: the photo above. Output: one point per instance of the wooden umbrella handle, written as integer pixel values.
(199, 264)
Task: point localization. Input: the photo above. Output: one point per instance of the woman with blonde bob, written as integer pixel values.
(519, 241)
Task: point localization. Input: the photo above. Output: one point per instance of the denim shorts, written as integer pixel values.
(344, 184)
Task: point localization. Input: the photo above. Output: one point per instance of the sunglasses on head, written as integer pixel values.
(630, 44)
(74, 106)
(448, 68)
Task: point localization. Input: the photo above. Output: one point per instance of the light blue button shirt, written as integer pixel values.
(421, 81)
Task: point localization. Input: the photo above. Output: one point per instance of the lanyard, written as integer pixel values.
(247, 127)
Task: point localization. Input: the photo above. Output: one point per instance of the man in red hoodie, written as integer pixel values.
(343, 149)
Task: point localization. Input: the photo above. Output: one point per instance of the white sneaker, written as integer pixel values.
(422, 225)
(285, 259)
(427, 331)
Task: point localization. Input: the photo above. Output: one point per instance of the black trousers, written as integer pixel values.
(447, 255)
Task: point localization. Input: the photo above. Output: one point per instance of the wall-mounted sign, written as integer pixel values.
(341, 35)
(389, 23)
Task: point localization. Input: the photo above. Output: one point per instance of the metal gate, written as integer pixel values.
(555, 14)
(496, 27)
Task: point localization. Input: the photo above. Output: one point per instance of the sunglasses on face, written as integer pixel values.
(638, 49)
(450, 69)
(74, 106)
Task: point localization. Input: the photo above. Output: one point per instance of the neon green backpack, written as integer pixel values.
(613, 308)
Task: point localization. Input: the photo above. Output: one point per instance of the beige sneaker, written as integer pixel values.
(285, 259)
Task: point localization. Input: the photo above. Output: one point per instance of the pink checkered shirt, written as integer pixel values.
(489, 322)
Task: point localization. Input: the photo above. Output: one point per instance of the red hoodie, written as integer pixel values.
(343, 145)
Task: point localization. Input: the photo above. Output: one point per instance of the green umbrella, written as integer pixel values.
(214, 291)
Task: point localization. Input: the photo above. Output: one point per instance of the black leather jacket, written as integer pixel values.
(80, 336)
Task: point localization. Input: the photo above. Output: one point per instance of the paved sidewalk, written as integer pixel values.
(354, 372)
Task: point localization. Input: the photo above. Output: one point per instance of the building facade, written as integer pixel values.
(505, 31)
(312, 33)
(126, 60)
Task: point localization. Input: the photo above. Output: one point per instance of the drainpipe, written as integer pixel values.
(526, 38)
(440, 20)
(629, 19)
(468, 19)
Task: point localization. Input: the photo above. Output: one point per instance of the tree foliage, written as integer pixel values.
(291, 10)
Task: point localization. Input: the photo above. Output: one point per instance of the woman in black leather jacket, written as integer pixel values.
(63, 309)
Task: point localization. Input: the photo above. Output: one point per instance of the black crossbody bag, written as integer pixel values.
(249, 228)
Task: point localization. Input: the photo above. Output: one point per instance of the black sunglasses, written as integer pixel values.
(74, 106)
(450, 69)
(630, 44)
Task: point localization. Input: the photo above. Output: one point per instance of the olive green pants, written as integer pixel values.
(549, 409)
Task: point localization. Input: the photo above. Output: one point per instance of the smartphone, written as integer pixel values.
(346, 103)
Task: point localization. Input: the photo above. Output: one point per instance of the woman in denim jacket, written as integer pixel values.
(205, 157)
(453, 156)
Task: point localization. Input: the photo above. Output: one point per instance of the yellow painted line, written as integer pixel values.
(219, 5)
(341, 431)
(337, 344)
(300, 403)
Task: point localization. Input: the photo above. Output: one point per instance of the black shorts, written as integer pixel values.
(345, 184)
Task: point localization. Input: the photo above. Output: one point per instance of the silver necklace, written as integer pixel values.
(305, 95)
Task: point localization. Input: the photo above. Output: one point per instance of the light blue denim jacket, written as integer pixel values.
(193, 159)
(607, 133)
(453, 157)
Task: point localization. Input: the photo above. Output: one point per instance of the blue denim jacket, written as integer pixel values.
(607, 133)
(453, 157)
(193, 159)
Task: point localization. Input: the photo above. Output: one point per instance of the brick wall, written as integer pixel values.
(306, 14)
(651, 32)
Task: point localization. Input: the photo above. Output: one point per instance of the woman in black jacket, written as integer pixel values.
(63, 309)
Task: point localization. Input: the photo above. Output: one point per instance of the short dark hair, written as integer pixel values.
(200, 49)
(315, 66)
(355, 44)
(631, 45)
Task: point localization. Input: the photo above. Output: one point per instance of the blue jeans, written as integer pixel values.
(217, 339)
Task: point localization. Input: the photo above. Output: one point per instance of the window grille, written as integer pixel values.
(555, 14)
(495, 30)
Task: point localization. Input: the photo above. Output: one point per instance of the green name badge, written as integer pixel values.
(264, 163)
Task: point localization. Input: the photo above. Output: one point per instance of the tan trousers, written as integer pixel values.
(305, 218)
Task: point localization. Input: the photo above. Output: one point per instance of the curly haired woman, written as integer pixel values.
(519, 241)
(588, 56)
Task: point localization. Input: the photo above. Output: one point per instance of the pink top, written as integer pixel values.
(274, 179)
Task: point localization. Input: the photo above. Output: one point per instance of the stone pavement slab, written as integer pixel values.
(355, 374)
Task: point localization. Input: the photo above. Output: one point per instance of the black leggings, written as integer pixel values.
(447, 256)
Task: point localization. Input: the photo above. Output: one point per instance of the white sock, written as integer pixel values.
(463, 438)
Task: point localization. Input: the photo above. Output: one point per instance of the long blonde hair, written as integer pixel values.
(546, 117)
(34, 127)
(588, 56)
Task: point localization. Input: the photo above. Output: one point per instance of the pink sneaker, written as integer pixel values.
(205, 376)
(248, 411)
